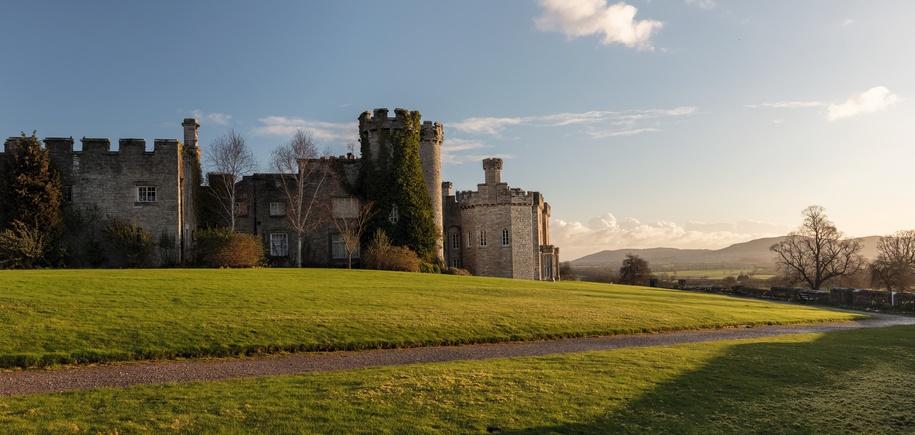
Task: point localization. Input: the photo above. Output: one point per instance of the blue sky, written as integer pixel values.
(677, 123)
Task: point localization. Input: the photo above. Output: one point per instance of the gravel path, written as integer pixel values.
(126, 374)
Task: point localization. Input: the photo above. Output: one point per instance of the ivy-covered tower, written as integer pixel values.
(401, 173)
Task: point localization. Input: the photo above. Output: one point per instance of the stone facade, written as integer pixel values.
(263, 206)
(493, 231)
(499, 231)
(154, 189)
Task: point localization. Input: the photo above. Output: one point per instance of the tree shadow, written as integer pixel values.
(843, 382)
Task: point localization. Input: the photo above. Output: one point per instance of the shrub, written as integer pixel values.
(222, 247)
(132, 243)
(380, 255)
(456, 271)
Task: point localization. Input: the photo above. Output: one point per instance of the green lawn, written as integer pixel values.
(53, 317)
(843, 382)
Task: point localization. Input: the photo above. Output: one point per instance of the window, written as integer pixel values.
(482, 238)
(146, 194)
(469, 239)
(456, 262)
(346, 207)
(505, 238)
(67, 193)
(338, 247)
(277, 209)
(455, 241)
(241, 208)
(395, 215)
(279, 245)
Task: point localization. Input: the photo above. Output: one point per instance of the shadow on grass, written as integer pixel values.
(843, 382)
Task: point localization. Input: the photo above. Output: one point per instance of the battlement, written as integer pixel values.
(431, 132)
(501, 195)
(380, 120)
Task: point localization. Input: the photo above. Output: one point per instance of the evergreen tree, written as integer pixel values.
(33, 199)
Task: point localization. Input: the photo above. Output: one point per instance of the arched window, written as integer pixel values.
(395, 215)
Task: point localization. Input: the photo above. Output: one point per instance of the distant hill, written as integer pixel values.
(752, 254)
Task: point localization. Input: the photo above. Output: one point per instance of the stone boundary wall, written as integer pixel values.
(840, 297)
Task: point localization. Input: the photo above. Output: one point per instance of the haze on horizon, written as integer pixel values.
(677, 123)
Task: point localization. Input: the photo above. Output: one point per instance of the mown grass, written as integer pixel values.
(842, 382)
(53, 317)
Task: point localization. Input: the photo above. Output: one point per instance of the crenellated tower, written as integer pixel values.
(377, 130)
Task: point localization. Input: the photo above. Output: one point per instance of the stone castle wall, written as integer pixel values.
(101, 182)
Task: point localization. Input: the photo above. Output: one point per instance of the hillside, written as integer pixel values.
(752, 254)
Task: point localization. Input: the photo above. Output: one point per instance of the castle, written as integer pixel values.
(493, 231)
(153, 190)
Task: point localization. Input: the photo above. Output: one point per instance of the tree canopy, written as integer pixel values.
(817, 252)
(635, 271)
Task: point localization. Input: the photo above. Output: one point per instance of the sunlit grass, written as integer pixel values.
(843, 382)
(75, 316)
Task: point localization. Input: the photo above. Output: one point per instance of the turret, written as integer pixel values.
(190, 132)
(493, 169)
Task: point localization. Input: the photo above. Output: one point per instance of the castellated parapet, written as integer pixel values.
(153, 189)
(499, 231)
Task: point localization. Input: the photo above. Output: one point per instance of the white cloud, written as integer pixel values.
(452, 148)
(215, 118)
(576, 239)
(490, 126)
(616, 22)
(325, 131)
(601, 134)
(495, 126)
(704, 4)
(873, 100)
(787, 105)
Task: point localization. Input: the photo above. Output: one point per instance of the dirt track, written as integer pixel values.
(140, 373)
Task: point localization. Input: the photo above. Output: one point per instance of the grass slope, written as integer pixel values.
(77, 316)
(844, 382)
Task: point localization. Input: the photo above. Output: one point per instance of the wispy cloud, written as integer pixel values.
(454, 151)
(607, 232)
(282, 126)
(494, 126)
(215, 118)
(600, 134)
(787, 105)
(874, 99)
(490, 126)
(704, 4)
(616, 23)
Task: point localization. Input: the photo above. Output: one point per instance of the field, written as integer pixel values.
(52, 317)
(843, 382)
(715, 274)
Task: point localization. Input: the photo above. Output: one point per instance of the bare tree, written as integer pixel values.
(894, 267)
(230, 158)
(303, 175)
(635, 271)
(817, 251)
(352, 222)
